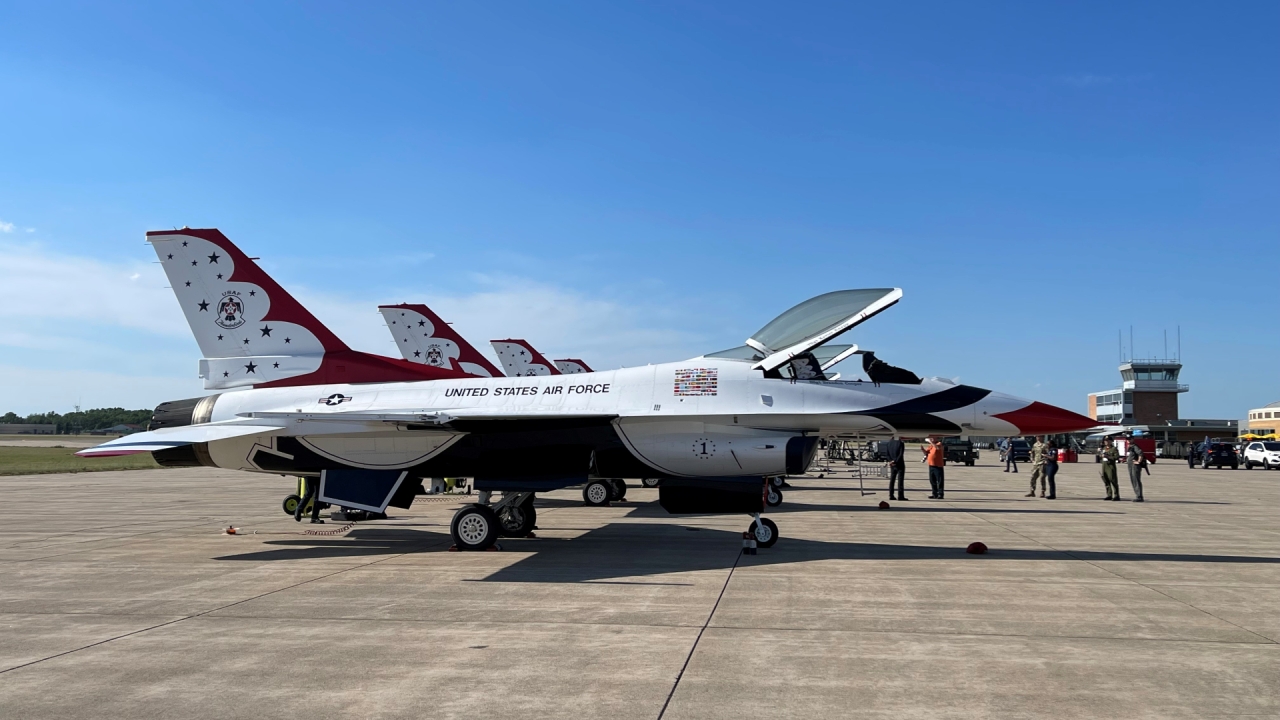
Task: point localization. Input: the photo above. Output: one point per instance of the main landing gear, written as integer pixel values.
(600, 492)
(772, 496)
(478, 526)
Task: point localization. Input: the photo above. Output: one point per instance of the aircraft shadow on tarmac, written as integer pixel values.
(638, 550)
(652, 509)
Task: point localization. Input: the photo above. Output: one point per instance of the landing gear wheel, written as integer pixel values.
(765, 533)
(650, 482)
(518, 521)
(597, 493)
(290, 504)
(619, 488)
(474, 527)
(777, 481)
(773, 498)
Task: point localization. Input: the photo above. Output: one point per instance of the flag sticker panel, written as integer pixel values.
(697, 381)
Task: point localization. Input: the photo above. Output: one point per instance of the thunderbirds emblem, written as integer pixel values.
(230, 311)
(435, 356)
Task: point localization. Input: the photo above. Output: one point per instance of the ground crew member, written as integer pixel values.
(1051, 469)
(936, 456)
(312, 494)
(1009, 459)
(1110, 456)
(1038, 452)
(1137, 461)
(897, 467)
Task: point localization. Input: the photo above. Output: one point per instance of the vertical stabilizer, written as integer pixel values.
(426, 339)
(519, 358)
(253, 333)
(572, 366)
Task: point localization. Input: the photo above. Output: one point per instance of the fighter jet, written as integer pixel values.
(424, 338)
(520, 359)
(715, 428)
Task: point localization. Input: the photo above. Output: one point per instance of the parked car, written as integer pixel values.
(1021, 450)
(1265, 455)
(1219, 454)
(959, 451)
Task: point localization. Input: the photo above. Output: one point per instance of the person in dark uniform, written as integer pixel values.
(1051, 469)
(312, 493)
(1137, 461)
(1009, 459)
(897, 467)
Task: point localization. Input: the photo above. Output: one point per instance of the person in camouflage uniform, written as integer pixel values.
(1039, 453)
(1110, 456)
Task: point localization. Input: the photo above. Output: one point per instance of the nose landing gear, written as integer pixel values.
(764, 531)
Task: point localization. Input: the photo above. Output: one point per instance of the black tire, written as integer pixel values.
(290, 504)
(1266, 465)
(777, 481)
(773, 497)
(650, 482)
(1248, 465)
(1235, 466)
(518, 521)
(770, 529)
(474, 527)
(619, 487)
(597, 493)
(970, 463)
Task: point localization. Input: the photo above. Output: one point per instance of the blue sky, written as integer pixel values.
(643, 183)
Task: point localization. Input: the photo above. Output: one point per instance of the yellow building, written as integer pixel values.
(1264, 422)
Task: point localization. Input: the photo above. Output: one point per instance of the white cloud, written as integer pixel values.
(6, 227)
(38, 287)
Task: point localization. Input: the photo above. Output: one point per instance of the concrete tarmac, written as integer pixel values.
(120, 597)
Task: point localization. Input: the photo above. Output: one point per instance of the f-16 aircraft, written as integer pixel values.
(715, 428)
(425, 338)
(519, 359)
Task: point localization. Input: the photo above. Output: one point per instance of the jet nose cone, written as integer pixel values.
(1041, 419)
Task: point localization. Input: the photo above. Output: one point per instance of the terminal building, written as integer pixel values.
(1264, 423)
(1147, 400)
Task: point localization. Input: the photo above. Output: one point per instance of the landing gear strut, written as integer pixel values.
(516, 514)
(773, 496)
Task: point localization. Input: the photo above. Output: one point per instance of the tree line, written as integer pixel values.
(82, 420)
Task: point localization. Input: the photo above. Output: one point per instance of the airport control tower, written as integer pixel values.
(1148, 394)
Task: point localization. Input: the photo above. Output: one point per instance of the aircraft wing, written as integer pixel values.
(424, 417)
(166, 438)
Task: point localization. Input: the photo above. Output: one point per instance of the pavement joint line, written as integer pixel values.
(195, 615)
(1068, 553)
(698, 639)
(946, 633)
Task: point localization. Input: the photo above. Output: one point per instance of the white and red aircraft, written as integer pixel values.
(714, 428)
(423, 337)
(520, 359)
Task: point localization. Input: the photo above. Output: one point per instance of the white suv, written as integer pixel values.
(1264, 454)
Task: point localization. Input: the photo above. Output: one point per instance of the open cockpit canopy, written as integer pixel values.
(815, 321)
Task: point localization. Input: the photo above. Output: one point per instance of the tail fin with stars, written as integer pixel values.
(253, 333)
(426, 339)
(519, 358)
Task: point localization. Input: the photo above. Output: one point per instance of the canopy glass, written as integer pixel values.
(816, 316)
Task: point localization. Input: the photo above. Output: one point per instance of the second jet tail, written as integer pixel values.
(426, 339)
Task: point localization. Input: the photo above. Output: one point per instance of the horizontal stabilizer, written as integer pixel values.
(166, 438)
